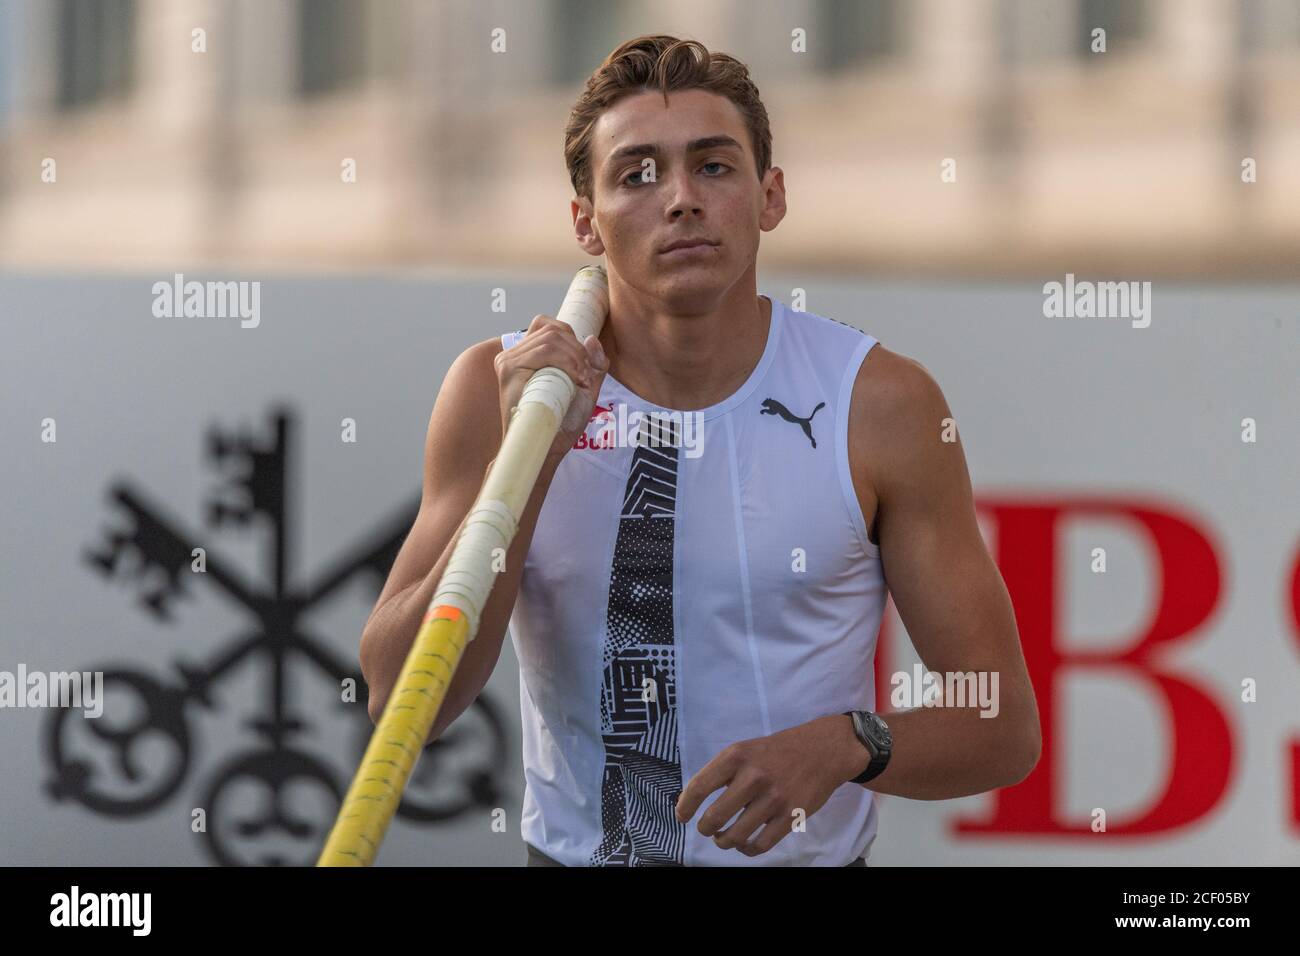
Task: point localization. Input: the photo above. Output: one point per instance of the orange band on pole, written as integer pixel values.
(447, 611)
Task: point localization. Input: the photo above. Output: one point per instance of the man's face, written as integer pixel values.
(704, 187)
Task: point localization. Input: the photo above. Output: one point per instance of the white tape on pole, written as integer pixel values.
(494, 519)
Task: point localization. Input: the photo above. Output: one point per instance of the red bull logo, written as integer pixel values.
(603, 437)
(618, 427)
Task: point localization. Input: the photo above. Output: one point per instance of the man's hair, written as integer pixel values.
(662, 63)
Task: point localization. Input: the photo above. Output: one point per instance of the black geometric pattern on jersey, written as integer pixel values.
(643, 774)
(772, 407)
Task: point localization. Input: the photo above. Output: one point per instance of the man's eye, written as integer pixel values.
(637, 176)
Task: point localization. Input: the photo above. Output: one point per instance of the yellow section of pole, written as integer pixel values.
(399, 737)
(452, 618)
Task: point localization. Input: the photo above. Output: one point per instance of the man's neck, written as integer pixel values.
(687, 362)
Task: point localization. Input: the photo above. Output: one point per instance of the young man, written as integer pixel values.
(696, 620)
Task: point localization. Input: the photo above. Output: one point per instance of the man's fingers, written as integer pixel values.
(587, 356)
(596, 353)
(714, 774)
(738, 795)
(553, 345)
(776, 830)
(760, 811)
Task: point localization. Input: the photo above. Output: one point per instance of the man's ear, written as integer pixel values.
(584, 226)
(773, 199)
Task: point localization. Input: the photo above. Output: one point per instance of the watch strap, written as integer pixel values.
(880, 750)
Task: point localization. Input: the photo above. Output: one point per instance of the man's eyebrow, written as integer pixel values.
(694, 146)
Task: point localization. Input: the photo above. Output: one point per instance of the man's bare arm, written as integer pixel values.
(947, 589)
(477, 397)
(463, 439)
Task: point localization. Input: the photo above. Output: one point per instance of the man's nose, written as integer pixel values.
(684, 192)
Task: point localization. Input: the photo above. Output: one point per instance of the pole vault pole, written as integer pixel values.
(452, 618)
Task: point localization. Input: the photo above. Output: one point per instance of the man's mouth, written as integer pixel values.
(686, 244)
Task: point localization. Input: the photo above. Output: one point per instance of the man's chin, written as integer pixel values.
(692, 291)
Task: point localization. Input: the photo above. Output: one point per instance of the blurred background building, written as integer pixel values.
(1065, 159)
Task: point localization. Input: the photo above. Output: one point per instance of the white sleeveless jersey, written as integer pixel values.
(680, 598)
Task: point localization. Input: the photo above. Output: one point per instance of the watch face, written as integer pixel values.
(877, 730)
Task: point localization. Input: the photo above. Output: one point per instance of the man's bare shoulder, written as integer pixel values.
(472, 375)
(465, 422)
(896, 417)
(890, 382)
(487, 348)
(476, 365)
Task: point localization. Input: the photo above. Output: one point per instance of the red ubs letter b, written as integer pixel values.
(1199, 762)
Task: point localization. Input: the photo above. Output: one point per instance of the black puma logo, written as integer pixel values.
(772, 407)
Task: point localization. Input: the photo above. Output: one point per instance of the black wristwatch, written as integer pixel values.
(873, 733)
